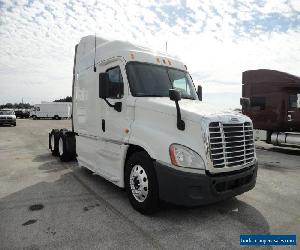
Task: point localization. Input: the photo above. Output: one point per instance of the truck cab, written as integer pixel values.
(274, 104)
(139, 123)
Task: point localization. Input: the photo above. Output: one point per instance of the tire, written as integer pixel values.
(56, 117)
(140, 166)
(53, 141)
(34, 117)
(66, 153)
(268, 139)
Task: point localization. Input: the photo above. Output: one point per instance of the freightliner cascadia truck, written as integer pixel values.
(138, 121)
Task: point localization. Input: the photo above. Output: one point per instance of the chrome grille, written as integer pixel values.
(231, 144)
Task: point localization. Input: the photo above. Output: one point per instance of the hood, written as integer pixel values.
(192, 110)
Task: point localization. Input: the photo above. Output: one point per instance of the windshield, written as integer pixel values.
(154, 80)
(6, 112)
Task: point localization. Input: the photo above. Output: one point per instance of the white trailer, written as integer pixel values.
(54, 110)
(139, 123)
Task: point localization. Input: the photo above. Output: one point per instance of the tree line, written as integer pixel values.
(66, 99)
(16, 106)
(28, 105)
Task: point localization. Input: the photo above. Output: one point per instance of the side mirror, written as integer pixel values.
(245, 102)
(103, 85)
(199, 92)
(174, 95)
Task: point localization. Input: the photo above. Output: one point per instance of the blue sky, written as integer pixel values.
(217, 40)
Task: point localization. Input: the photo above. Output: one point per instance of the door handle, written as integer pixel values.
(103, 125)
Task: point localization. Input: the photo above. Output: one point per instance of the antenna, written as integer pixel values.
(95, 56)
(166, 46)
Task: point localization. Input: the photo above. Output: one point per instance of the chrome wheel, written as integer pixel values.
(52, 142)
(60, 146)
(139, 183)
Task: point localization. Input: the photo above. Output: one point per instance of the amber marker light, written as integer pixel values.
(157, 60)
(169, 62)
(172, 155)
(164, 61)
(126, 130)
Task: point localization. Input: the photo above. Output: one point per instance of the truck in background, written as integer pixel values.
(138, 121)
(53, 110)
(22, 113)
(274, 105)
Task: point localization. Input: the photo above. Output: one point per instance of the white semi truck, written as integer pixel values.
(54, 110)
(139, 123)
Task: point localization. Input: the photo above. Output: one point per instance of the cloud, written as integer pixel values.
(216, 40)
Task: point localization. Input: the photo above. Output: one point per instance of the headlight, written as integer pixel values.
(182, 156)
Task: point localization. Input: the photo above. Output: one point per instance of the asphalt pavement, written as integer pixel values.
(47, 204)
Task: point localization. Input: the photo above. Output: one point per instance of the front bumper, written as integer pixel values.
(190, 189)
(7, 121)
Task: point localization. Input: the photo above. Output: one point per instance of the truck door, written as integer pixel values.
(293, 115)
(113, 124)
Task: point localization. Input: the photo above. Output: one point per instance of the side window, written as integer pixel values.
(258, 103)
(179, 82)
(182, 86)
(293, 99)
(116, 88)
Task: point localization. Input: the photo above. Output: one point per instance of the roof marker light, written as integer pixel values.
(169, 62)
(132, 56)
(164, 61)
(157, 60)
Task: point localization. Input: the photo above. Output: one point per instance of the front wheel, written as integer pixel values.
(141, 183)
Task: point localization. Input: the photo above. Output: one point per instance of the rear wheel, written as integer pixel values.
(66, 146)
(61, 146)
(53, 141)
(141, 183)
